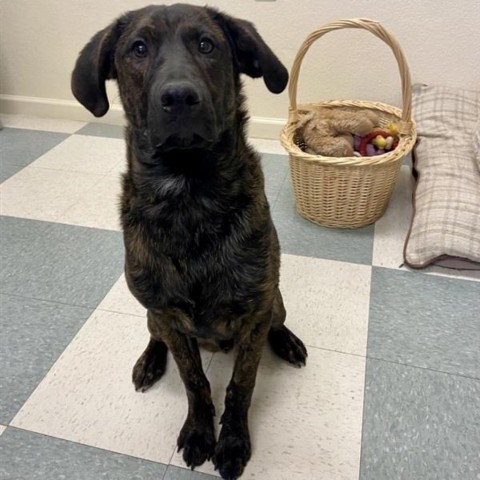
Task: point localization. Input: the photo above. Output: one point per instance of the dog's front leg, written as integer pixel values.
(197, 438)
(233, 449)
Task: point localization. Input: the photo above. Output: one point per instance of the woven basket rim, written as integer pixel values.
(408, 135)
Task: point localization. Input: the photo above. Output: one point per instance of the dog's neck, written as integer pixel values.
(156, 174)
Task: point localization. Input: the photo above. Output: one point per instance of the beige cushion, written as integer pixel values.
(446, 221)
(476, 146)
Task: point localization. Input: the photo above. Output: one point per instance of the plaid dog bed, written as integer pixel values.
(445, 227)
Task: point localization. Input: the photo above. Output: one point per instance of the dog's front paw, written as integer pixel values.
(232, 452)
(197, 439)
(288, 346)
(150, 366)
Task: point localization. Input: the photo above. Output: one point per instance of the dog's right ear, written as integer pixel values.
(94, 66)
(251, 55)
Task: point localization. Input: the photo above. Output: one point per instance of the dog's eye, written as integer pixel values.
(205, 45)
(139, 49)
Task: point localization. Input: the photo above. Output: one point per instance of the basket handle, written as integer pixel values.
(366, 24)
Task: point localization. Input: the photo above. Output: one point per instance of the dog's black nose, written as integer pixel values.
(179, 98)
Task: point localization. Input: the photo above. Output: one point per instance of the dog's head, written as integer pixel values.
(177, 69)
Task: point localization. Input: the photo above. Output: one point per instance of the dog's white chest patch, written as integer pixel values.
(171, 185)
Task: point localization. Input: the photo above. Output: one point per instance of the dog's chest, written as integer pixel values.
(214, 291)
(204, 261)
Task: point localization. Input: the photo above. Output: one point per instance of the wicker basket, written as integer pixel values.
(347, 192)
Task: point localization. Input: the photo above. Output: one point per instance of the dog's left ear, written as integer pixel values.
(251, 54)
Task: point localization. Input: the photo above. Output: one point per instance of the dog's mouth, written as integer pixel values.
(183, 142)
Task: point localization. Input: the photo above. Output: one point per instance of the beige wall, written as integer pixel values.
(40, 40)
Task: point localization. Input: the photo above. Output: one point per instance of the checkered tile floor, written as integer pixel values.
(392, 385)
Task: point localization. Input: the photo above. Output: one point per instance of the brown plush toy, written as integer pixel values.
(329, 131)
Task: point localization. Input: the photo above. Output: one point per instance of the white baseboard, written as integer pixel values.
(259, 127)
(56, 108)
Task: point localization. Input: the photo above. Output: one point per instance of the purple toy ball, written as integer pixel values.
(370, 150)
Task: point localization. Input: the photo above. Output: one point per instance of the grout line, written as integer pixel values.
(48, 300)
(430, 369)
(121, 313)
(56, 221)
(364, 412)
(347, 262)
(369, 357)
(36, 167)
(41, 130)
(86, 307)
(426, 272)
(274, 206)
(280, 190)
(166, 470)
(210, 362)
(60, 221)
(364, 407)
(336, 351)
(171, 457)
(87, 445)
(14, 164)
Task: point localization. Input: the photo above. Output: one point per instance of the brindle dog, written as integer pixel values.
(202, 254)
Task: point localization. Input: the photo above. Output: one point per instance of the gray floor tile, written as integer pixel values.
(21, 147)
(419, 424)
(275, 170)
(425, 320)
(102, 130)
(176, 473)
(301, 237)
(26, 455)
(34, 334)
(61, 263)
(18, 233)
(6, 171)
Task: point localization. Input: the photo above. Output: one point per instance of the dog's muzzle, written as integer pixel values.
(180, 117)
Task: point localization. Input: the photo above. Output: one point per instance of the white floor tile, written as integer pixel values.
(82, 153)
(264, 145)
(327, 302)
(98, 207)
(88, 397)
(304, 423)
(38, 123)
(391, 230)
(43, 194)
(119, 299)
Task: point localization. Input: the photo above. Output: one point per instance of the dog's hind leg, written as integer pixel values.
(284, 342)
(151, 365)
(197, 437)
